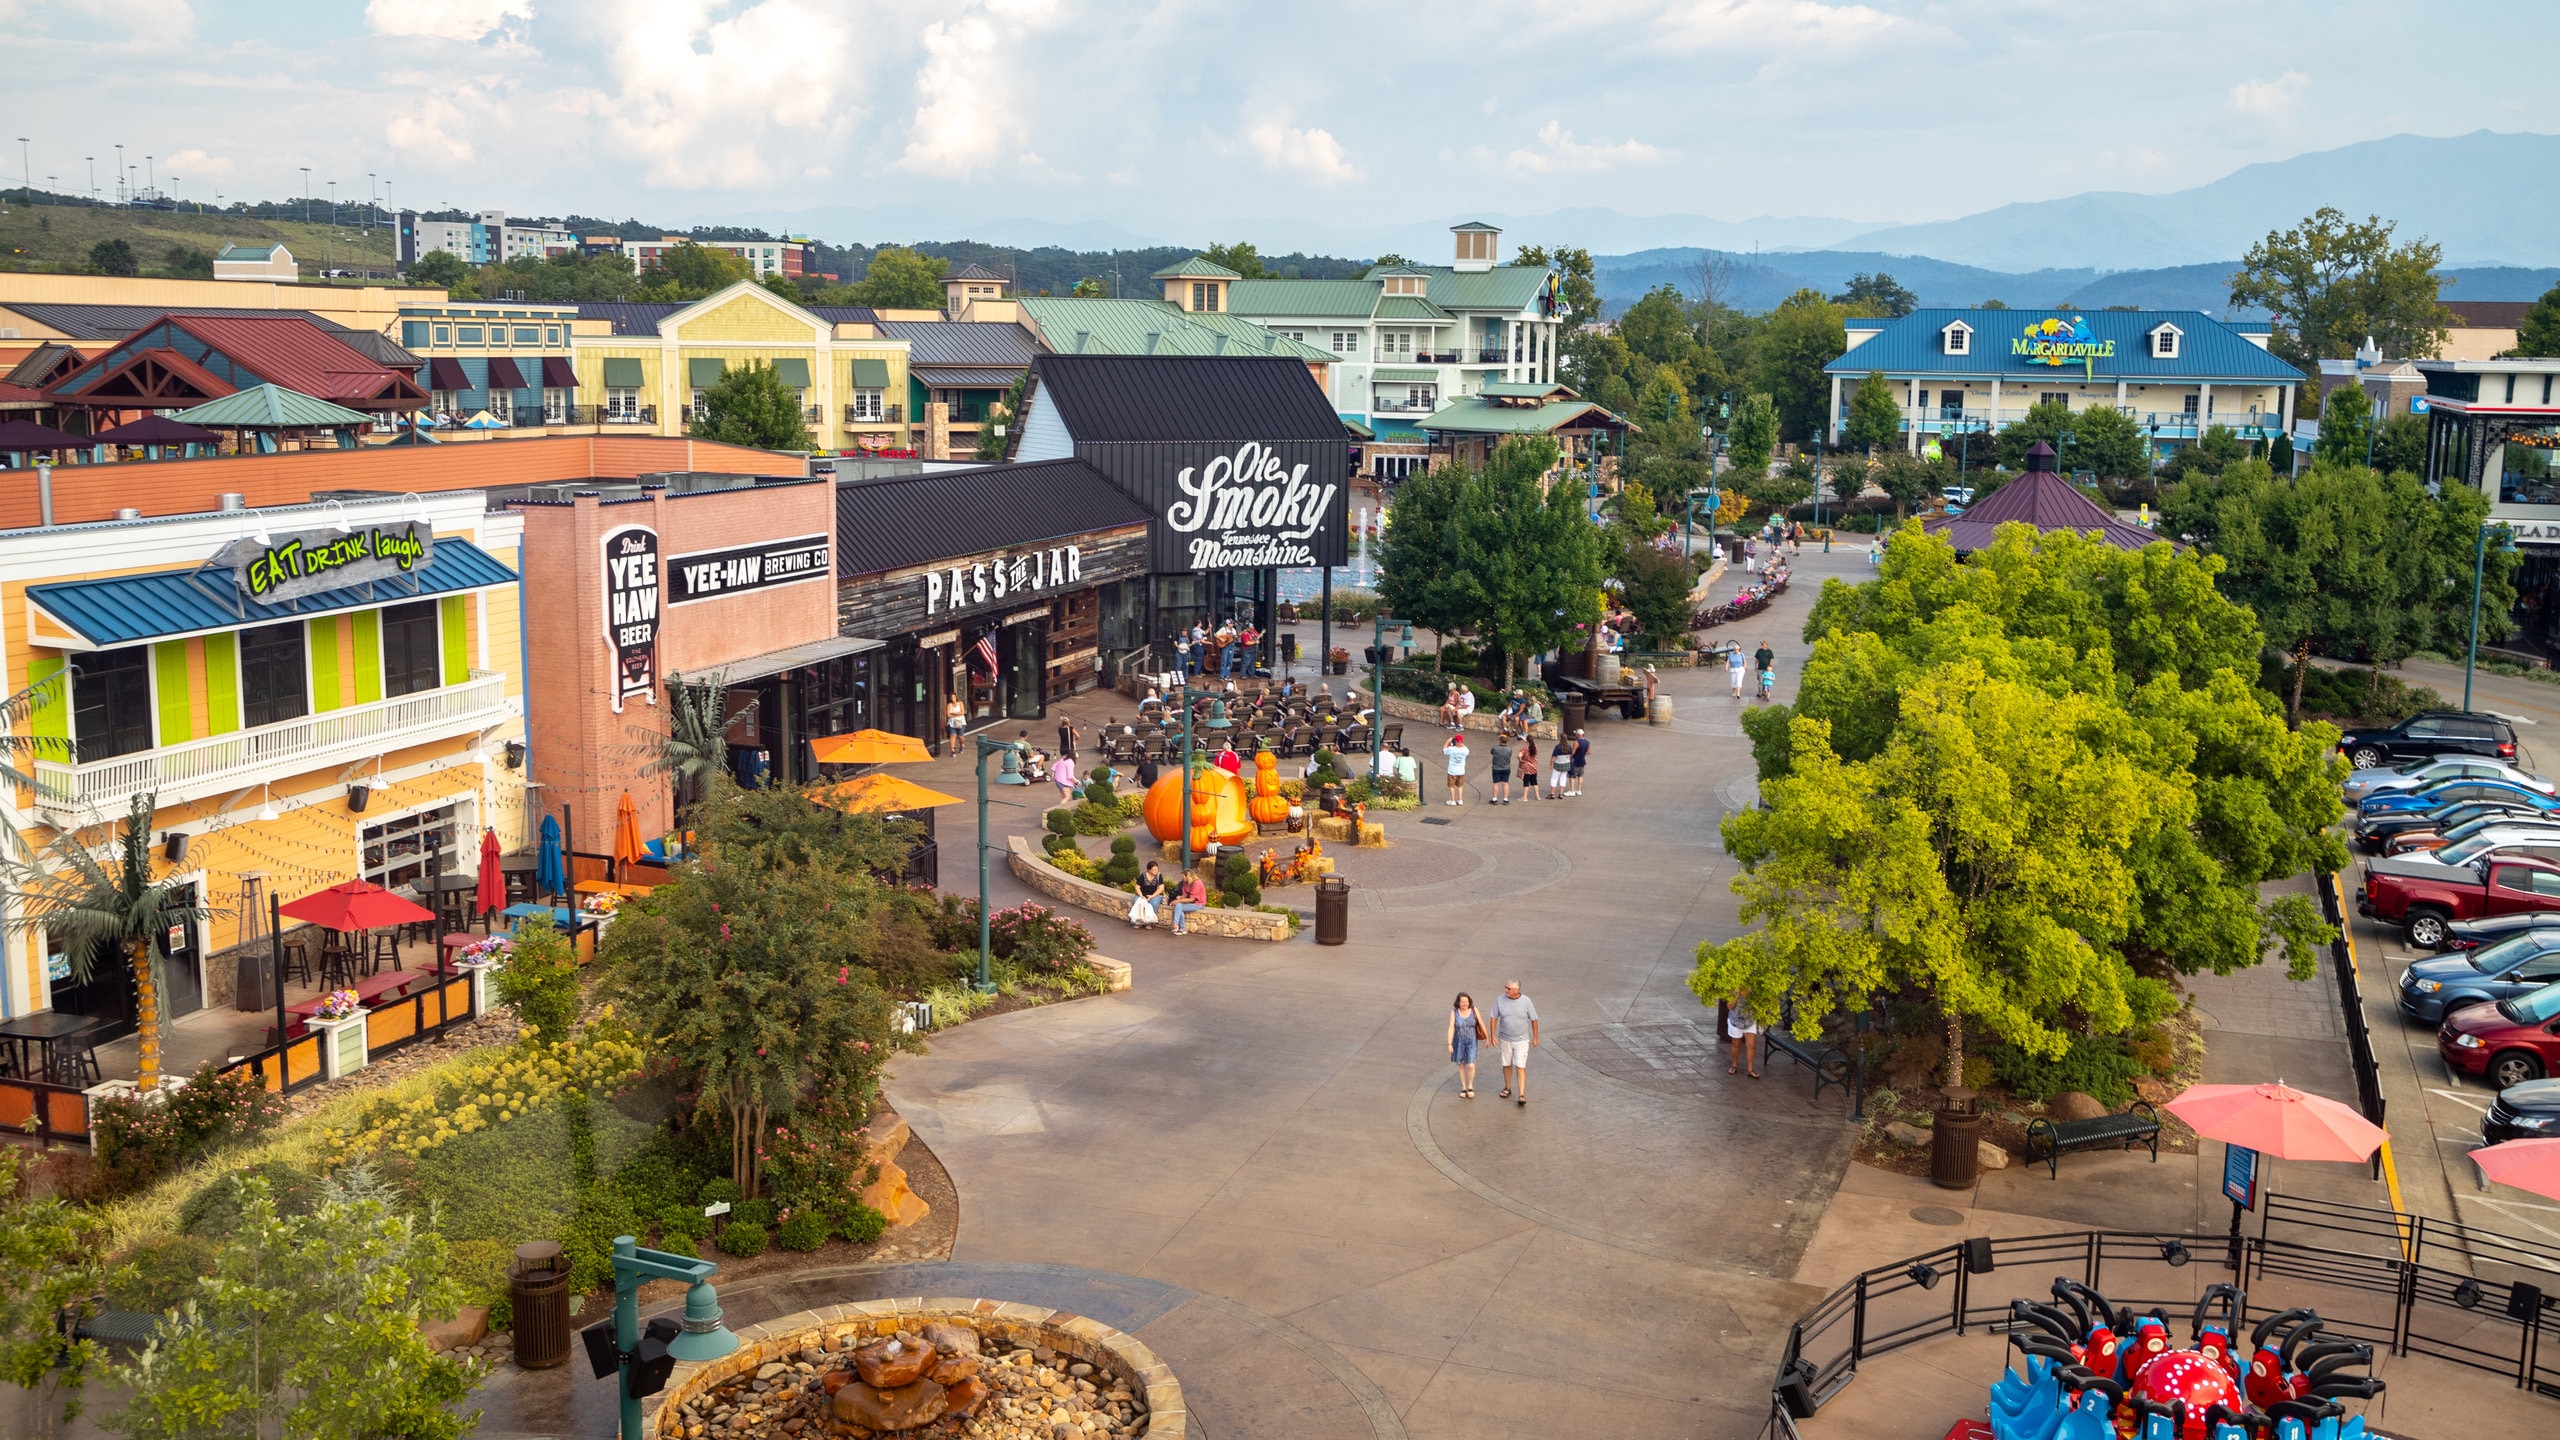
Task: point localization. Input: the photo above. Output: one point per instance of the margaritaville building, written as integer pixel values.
(312, 693)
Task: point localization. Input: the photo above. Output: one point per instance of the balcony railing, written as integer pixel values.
(1493, 355)
(814, 415)
(853, 416)
(199, 768)
(645, 415)
(1403, 407)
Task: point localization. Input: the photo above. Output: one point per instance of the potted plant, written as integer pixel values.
(1341, 660)
(339, 1022)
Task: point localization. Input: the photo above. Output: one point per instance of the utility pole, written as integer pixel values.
(119, 174)
(306, 194)
(27, 169)
(93, 177)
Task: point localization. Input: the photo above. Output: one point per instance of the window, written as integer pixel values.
(1418, 397)
(440, 400)
(444, 334)
(397, 852)
(2530, 468)
(2190, 407)
(622, 402)
(698, 393)
(1920, 400)
(2054, 397)
(502, 404)
(1204, 295)
(870, 403)
(1298, 335)
(111, 702)
(272, 688)
(1346, 342)
(411, 659)
(2164, 343)
(1958, 338)
(1950, 404)
(555, 406)
(551, 335)
(1394, 342)
(413, 334)
(526, 335)
(467, 335)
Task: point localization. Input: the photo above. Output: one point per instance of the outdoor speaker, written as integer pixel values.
(358, 797)
(651, 1364)
(1977, 1255)
(174, 846)
(2524, 1301)
(602, 1357)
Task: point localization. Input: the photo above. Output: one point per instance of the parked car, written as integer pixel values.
(2508, 1041)
(1958, 494)
(2426, 904)
(2417, 775)
(2424, 736)
(2410, 842)
(2528, 839)
(2475, 934)
(2517, 965)
(2530, 1111)
(2461, 787)
(2373, 832)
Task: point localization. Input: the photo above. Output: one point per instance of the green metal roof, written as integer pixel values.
(1073, 325)
(1504, 287)
(1507, 288)
(1410, 307)
(1470, 415)
(1313, 299)
(1392, 375)
(1358, 430)
(270, 407)
(1198, 267)
(1477, 225)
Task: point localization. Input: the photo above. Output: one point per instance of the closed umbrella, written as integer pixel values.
(492, 893)
(2526, 1164)
(626, 832)
(550, 874)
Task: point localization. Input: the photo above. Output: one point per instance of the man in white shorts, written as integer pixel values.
(1515, 1034)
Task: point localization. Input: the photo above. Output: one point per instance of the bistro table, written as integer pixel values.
(519, 871)
(46, 1029)
(445, 894)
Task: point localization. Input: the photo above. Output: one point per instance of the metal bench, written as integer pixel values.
(1830, 1066)
(2139, 1124)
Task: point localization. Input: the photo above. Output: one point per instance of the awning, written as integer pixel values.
(166, 604)
(944, 378)
(705, 373)
(503, 374)
(1387, 376)
(445, 373)
(793, 371)
(559, 374)
(622, 374)
(871, 374)
(772, 662)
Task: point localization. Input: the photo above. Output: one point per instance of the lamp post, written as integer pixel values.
(1010, 774)
(701, 1337)
(1377, 694)
(2479, 567)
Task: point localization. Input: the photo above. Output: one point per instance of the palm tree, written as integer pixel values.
(89, 905)
(19, 746)
(694, 743)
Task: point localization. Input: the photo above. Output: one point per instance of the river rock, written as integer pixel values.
(951, 1339)
(2073, 1105)
(1903, 1133)
(892, 1363)
(903, 1407)
(965, 1396)
(952, 1369)
(1992, 1156)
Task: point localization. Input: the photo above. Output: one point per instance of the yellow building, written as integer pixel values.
(299, 722)
(647, 366)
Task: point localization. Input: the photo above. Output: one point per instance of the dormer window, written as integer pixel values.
(1957, 338)
(1405, 284)
(2164, 342)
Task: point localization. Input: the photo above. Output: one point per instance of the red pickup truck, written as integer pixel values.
(2426, 898)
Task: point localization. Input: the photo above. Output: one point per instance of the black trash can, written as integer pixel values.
(538, 1284)
(1955, 1138)
(1333, 910)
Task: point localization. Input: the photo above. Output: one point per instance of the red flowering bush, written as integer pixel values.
(1038, 939)
(135, 1141)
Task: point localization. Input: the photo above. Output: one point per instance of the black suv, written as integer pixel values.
(2423, 737)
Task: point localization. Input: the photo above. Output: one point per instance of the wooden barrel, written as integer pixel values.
(1660, 712)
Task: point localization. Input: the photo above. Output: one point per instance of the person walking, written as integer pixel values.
(1559, 765)
(955, 718)
(1068, 735)
(1581, 758)
(1466, 1031)
(1515, 1034)
(1455, 752)
(1744, 1032)
(1142, 910)
(1062, 771)
(1529, 767)
(1194, 895)
(1498, 759)
(1764, 660)
(1735, 663)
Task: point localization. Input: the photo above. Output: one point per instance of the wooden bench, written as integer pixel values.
(1829, 1065)
(2139, 1124)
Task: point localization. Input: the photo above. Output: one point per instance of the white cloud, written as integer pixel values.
(1559, 153)
(432, 133)
(1313, 153)
(967, 114)
(2270, 97)
(445, 19)
(1687, 25)
(701, 99)
(147, 24)
(200, 164)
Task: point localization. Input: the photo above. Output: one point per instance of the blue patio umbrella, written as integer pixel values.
(550, 876)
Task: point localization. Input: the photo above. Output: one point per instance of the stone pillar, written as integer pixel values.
(937, 430)
(1995, 404)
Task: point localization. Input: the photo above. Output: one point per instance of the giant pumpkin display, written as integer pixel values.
(1217, 808)
(1269, 807)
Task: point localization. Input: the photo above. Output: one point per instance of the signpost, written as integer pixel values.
(2240, 1187)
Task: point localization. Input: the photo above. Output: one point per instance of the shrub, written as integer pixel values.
(1056, 845)
(135, 1142)
(1038, 939)
(1075, 862)
(1097, 817)
(805, 1230)
(2099, 1066)
(1239, 881)
(1122, 867)
(756, 1210)
(819, 1157)
(679, 1245)
(215, 1210)
(540, 982)
(682, 1222)
(2151, 1001)
(491, 1092)
(862, 1224)
(721, 1188)
(1060, 821)
(160, 1272)
(742, 1240)
(1099, 792)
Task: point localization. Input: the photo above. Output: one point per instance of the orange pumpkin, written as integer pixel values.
(1217, 808)
(1269, 807)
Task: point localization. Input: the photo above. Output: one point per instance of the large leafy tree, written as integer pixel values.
(2538, 334)
(1240, 257)
(1418, 557)
(898, 279)
(2331, 281)
(687, 271)
(440, 267)
(1805, 333)
(2346, 421)
(1877, 294)
(1575, 282)
(2018, 781)
(2101, 439)
(1875, 416)
(1529, 563)
(751, 406)
(2400, 445)
(1753, 437)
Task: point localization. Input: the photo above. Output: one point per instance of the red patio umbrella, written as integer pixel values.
(492, 894)
(357, 905)
(2526, 1164)
(2279, 1120)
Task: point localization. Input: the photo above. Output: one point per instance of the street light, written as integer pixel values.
(1011, 750)
(701, 1336)
(2479, 564)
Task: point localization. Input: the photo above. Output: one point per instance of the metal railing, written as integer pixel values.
(645, 415)
(2360, 1055)
(853, 415)
(198, 768)
(1493, 355)
(1403, 407)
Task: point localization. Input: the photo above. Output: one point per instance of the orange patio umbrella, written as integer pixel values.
(626, 832)
(869, 747)
(869, 794)
(2526, 1164)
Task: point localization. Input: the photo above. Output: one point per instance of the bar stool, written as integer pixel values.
(340, 962)
(295, 961)
(519, 884)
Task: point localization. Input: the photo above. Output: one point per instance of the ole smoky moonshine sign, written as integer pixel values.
(1257, 505)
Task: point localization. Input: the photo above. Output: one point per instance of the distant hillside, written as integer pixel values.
(58, 236)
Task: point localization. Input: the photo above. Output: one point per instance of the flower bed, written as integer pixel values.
(490, 1091)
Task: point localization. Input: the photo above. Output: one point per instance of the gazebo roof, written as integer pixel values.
(272, 407)
(2041, 498)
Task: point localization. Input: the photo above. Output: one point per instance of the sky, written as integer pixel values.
(1190, 118)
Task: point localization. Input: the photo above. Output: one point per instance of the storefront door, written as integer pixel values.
(182, 962)
(109, 996)
(1026, 651)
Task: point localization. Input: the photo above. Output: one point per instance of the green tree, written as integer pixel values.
(1753, 437)
(114, 257)
(2400, 446)
(1878, 294)
(2102, 439)
(306, 1329)
(1092, 287)
(1004, 425)
(751, 406)
(48, 1266)
(2346, 422)
(899, 279)
(1389, 261)
(1782, 487)
(1576, 284)
(440, 268)
(1875, 415)
(1418, 557)
(1804, 334)
(2329, 282)
(692, 743)
(92, 904)
(1529, 563)
(1654, 581)
(2538, 334)
(1240, 257)
(687, 271)
(186, 262)
(1907, 480)
(1657, 327)
(1663, 408)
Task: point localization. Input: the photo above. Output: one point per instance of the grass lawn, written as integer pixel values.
(58, 237)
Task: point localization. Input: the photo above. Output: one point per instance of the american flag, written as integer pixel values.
(987, 654)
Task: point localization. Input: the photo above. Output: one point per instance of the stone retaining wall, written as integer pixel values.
(833, 1327)
(1034, 870)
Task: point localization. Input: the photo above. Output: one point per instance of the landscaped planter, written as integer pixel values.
(1031, 869)
(342, 1044)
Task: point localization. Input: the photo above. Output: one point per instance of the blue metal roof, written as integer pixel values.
(128, 609)
(2208, 349)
